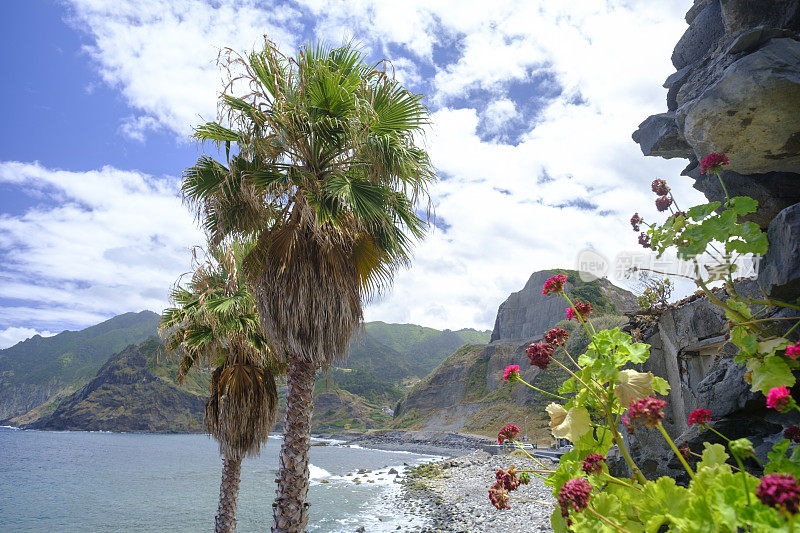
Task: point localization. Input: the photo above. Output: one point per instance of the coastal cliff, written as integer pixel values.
(736, 90)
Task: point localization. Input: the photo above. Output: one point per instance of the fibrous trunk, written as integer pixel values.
(228, 494)
(291, 510)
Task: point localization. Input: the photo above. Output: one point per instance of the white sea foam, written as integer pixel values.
(15, 428)
(316, 472)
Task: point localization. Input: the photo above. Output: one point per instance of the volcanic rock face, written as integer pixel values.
(737, 91)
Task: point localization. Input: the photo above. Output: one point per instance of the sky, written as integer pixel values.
(533, 105)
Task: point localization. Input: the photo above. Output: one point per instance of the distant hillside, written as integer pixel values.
(127, 395)
(38, 370)
(467, 392)
(40, 375)
(401, 351)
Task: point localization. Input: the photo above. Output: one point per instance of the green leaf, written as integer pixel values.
(639, 352)
(737, 311)
(713, 455)
(770, 346)
(742, 205)
(746, 341)
(772, 372)
(699, 212)
(652, 511)
(778, 462)
(660, 385)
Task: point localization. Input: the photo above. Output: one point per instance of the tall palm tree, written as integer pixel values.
(214, 322)
(323, 169)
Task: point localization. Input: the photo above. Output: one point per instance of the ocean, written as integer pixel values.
(63, 481)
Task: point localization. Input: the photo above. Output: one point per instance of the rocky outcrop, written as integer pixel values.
(126, 396)
(736, 90)
(529, 313)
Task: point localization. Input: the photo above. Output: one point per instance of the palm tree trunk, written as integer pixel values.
(290, 507)
(228, 494)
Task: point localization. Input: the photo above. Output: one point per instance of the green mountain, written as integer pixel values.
(39, 370)
(128, 395)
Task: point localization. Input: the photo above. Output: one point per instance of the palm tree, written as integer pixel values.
(323, 170)
(214, 322)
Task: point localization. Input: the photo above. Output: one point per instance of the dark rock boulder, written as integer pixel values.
(779, 272)
(774, 191)
(705, 32)
(659, 136)
(751, 112)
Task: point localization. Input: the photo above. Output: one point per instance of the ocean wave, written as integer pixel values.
(315, 472)
(15, 428)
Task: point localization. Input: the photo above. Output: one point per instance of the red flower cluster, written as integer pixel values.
(713, 162)
(635, 221)
(499, 497)
(647, 410)
(554, 284)
(663, 202)
(556, 337)
(511, 373)
(510, 432)
(659, 187)
(779, 398)
(779, 490)
(507, 481)
(792, 433)
(540, 354)
(593, 464)
(685, 451)
(644, 240)
(582, 309)
(574, 494)
(700, 416)
(793, 351)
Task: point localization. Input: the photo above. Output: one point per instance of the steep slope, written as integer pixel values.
(39, 370)
(126, 395)
(467, 392)
(529, 313)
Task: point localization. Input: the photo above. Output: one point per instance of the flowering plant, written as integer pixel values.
(603, 395)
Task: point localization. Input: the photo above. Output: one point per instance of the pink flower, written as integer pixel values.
(574, 494)
(647, 410)
(540, 354)
(510, 432)
(779, 398)
(663, 202)
(713, 162)
(593, 463)
(628, 426)
(556, 337)
(700, 416)
(635, 221)
(792, 433)
(554, 284)
(582, 309)
(793, 350)
(644, 240)
(779, 490)
(659, 187)
(511, 373)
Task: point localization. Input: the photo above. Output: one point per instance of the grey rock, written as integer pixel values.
(740, 15)
(673, 84)
(724, 388)
(748, 40)
(779, 272)
(704, 33)
(752, 112)
(659, 136)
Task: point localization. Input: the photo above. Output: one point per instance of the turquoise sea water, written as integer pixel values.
(102, 482)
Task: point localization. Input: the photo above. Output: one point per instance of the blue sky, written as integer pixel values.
(533, 106)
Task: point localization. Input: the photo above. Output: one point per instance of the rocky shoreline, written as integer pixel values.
(453, 494)
(423, 442)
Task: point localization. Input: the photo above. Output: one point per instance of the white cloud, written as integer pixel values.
(106, 242)
(603, 62)
(11, 336)
(136, 127)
